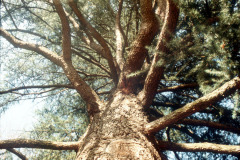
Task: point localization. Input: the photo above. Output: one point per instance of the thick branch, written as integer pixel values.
(86, 92)
(17, 153)
(200, 147)
(170, 13)
(81, 86)
(148, 29)
(26, 143)
(53, 57)
(98, 37)
(66, 36)
(196, 106)
(119, 41)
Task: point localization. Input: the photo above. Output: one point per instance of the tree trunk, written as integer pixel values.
(117, 132)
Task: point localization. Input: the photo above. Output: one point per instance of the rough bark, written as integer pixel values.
(119, 129)
(117, 132)
(148, 29)
(168, 13)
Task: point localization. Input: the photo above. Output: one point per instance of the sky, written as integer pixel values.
(17, 119)
(20, 118)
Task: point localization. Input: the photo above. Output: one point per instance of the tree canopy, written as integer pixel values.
(179, 60)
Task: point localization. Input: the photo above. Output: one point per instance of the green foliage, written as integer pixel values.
(66, 120)
(204, 43)
(205, 52)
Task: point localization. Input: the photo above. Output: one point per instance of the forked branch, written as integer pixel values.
(148, 29)
(98, 37)
(81, 86)
(169, 16)
(87, 40)
(193, 107)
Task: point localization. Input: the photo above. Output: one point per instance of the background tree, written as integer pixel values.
(144, 76)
